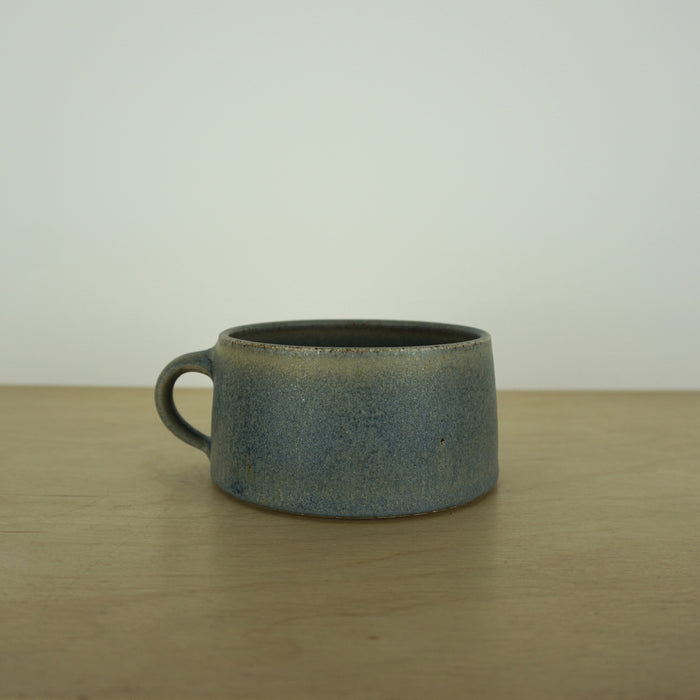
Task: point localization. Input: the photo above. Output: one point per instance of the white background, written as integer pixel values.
(169, 169)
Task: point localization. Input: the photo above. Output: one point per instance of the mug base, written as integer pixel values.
(343, 516)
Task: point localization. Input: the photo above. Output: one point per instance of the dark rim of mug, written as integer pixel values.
(230, 336)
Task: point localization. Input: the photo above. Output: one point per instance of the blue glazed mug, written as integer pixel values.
(347, 419)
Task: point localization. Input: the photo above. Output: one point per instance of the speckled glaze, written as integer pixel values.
(350, 419)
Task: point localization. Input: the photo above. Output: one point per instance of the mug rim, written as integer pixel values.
(230, 336)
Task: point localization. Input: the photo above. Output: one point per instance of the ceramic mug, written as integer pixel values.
(354, 419)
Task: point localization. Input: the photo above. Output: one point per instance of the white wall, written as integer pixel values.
(169, 169)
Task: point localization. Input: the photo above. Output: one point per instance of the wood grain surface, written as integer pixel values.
(125, 572)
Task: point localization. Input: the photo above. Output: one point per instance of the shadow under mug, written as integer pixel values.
(346, 418)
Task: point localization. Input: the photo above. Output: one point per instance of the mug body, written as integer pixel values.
(354, 418)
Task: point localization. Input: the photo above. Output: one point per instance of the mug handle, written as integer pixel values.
(191, 362)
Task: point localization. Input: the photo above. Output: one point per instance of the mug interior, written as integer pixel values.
(355, 334)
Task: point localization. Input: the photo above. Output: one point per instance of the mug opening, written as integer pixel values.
(355, 334)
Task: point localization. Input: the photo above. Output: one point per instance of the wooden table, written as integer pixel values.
(125, 572)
